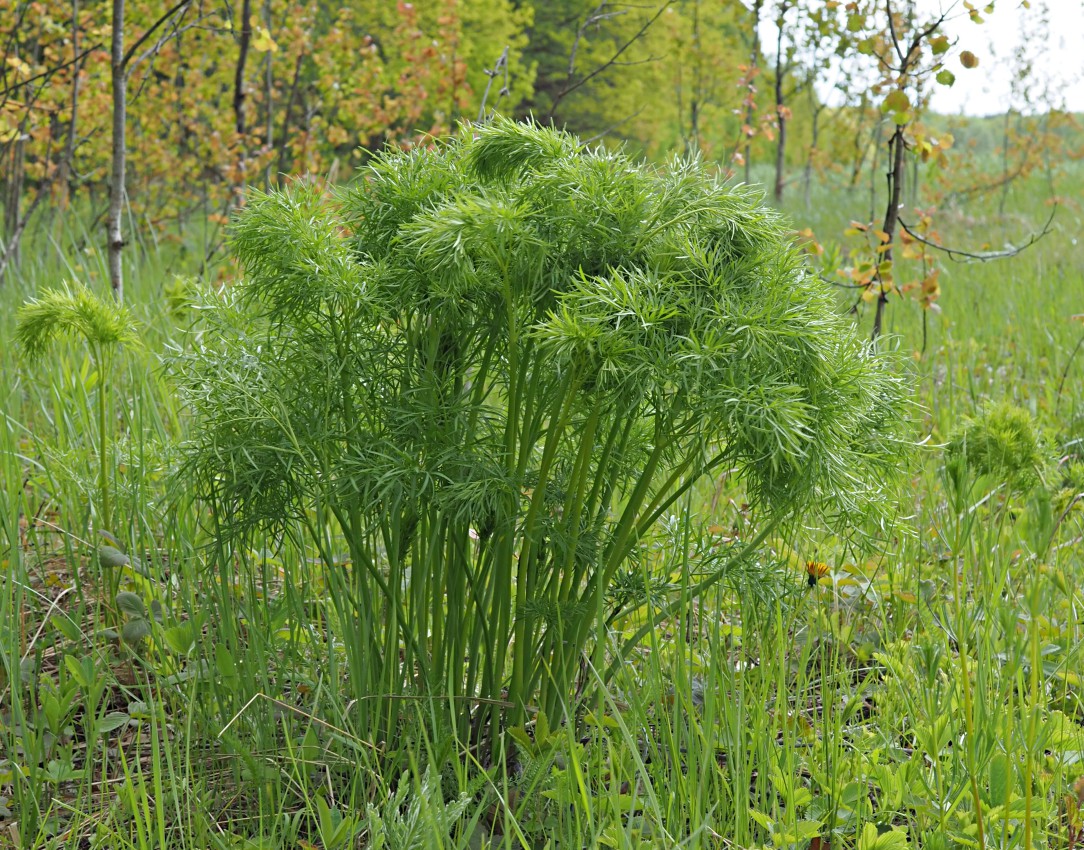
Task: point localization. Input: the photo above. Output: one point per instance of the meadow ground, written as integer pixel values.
(921, 687)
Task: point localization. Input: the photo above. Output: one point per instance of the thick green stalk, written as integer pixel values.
(555, 649)
(526, 580)
(702, 586)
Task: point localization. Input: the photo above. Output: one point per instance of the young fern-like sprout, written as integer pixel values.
(490, 369)
(104, 326)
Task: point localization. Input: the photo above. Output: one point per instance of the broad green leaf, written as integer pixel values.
(110, 556)
(64, 624)
(224, 663)
(180, 638)
(1000, 775)
(521, 737)
(110, 722)
(131, 604)
(135, 630)
(80, 670)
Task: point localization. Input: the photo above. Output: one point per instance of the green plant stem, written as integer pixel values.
(1033, 714)
(103, 443)
(963, 648)
(700, 587)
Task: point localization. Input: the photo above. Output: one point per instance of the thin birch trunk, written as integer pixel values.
(67, 164)
(780, 114)
(754, 62)
(116, 179)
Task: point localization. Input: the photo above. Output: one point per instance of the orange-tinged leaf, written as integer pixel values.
(969, 59)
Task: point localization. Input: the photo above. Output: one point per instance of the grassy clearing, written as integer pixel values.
(923, 690)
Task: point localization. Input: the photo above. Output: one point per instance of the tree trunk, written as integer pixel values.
(754, 62)
(13, 196)
(239, 75)
(807, 177)
(892, 212)
(269, 82)
(116, 179)
(780, 116)
(860, 150)
(284, 133)
(780, 146)
(692, 144)
(240, 124)
(67, 164)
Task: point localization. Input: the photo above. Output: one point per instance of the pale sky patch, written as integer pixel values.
(1056, 50)
(1050, 34)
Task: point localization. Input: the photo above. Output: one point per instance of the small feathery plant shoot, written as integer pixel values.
(105, 326)
(488, 370)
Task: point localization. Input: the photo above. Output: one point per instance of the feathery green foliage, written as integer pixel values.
(1002, 442)
(72, 310)
(491, 368)
(75, 310)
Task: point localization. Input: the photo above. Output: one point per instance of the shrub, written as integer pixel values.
(1004, 443)
(491, 367)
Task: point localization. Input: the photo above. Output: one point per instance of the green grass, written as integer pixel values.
(926, 691)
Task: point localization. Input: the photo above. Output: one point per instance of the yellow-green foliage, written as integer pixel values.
(1004, 443)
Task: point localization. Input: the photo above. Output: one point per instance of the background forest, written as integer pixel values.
(223, 96)
(858, 626)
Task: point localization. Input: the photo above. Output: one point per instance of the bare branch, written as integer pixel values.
(151, 30)
(961, 256)
(49, 72)
(892, 32)
(609, 63)
(613, 127)
(840, 285)
(595, 17)
(492, 73)
(11, 250)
